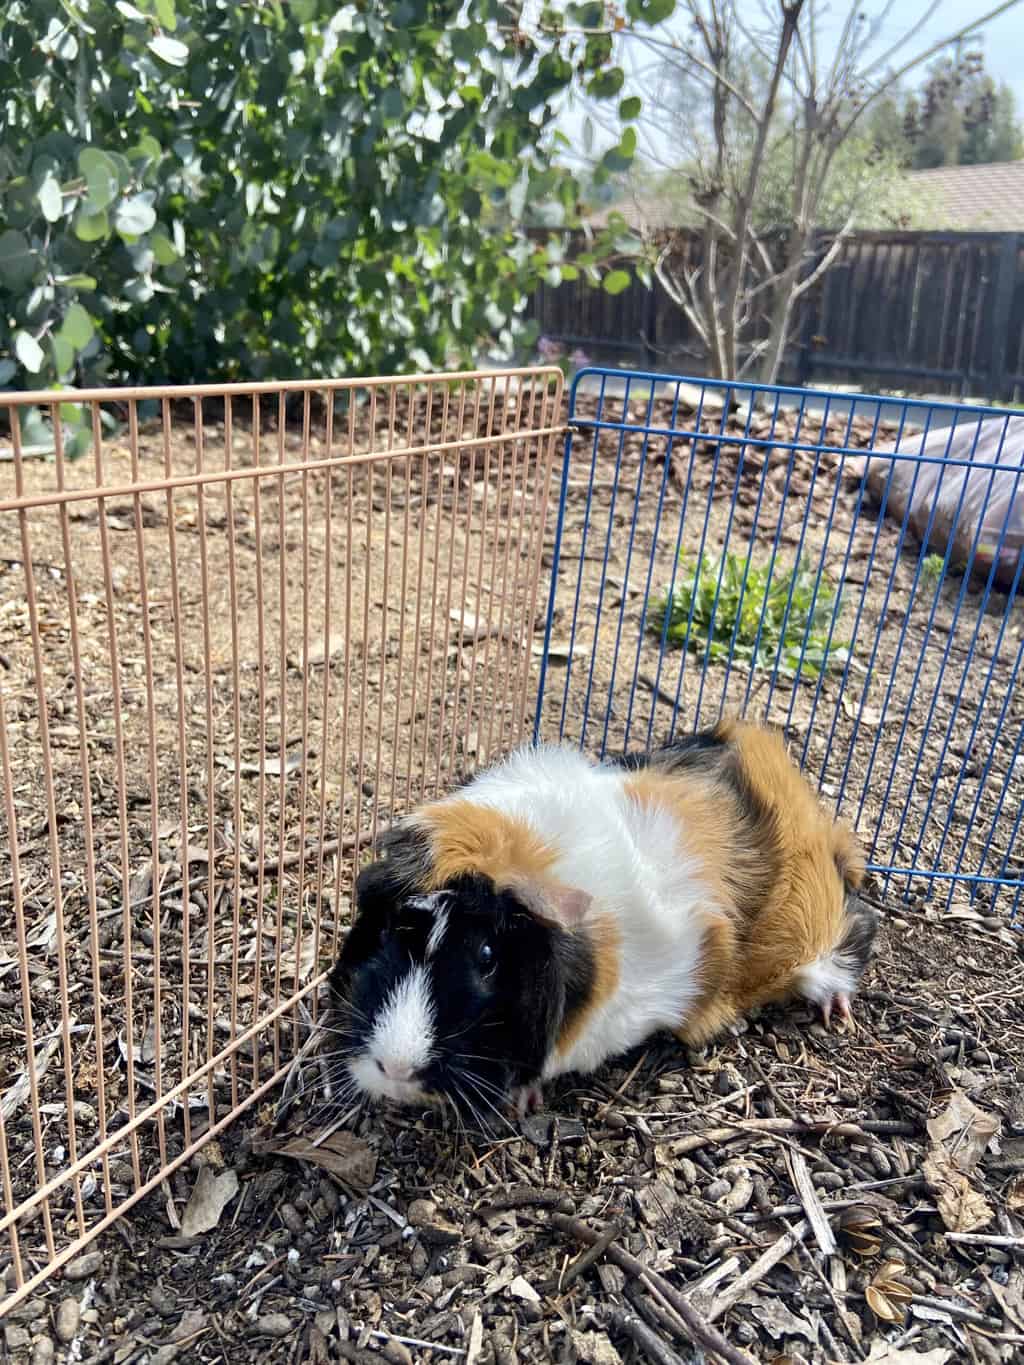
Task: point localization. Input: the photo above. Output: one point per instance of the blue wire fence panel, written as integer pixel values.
(722, 547)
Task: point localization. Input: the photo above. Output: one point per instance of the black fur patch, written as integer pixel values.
(404, 866)
(701, 752)
(860, 928)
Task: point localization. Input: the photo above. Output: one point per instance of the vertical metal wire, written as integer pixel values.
(153, 765)
(117, 695)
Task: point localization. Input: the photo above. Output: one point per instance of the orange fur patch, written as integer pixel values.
(781, 881)
(466, 839)
(606, 944)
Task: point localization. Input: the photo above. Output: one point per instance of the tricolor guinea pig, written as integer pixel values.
(557, 911)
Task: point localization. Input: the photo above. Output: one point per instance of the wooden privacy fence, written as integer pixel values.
(926, 312)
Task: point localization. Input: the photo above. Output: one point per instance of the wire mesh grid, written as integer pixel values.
(721, 550)
(241, 630)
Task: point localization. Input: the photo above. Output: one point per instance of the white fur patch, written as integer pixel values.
(401, 1043)
(825, 978)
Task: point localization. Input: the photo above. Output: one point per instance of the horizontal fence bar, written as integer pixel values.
(278, 471)
(140, 393)
(796, 392)
(774, 443)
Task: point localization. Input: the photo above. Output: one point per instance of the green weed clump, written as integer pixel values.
(764, 613)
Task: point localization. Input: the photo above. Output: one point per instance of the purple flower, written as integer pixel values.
(548, 349)
(579, 358)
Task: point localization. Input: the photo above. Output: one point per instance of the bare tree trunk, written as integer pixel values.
(745, 202)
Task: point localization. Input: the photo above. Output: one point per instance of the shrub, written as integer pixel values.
(203, 190)
(767, 617)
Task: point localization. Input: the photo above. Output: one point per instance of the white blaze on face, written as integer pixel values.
(401, 1043)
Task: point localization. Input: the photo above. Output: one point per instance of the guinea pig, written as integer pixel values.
(557, 911)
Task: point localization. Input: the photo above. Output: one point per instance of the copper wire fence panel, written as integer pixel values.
(235, 635)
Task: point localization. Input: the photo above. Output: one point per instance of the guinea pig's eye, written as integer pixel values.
(486, 958)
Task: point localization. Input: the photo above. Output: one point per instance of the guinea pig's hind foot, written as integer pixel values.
(527, 1099)
(841, 1001)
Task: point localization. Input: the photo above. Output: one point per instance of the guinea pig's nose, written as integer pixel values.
(395, 1071)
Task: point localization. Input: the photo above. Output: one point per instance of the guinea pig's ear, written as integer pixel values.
(406, 847)
(377, 888)
(565, 907)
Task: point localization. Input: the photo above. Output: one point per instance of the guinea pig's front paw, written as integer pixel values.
(527, 1099)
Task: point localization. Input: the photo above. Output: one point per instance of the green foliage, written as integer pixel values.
(931, 568)
(863, 181)
(768, 616)
(196, 190)
(958, 117)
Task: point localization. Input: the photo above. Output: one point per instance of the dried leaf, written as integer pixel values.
(144, 1052)
(475, 1340)
(209, 1199)
(342, 1154)
(314, 656)
(594, 1348)
(962, 1208)
(778, 1320)
(560, 652)
(521, 1288)
(866, 715)
(473, 627)
(307, 959)
(1015, 1194)
(19, 1092)
(964, 1131)
(270, 767)
(43, 934)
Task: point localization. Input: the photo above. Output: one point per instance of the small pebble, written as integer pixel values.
(396, 1353)
(273, 1325)
(83, 1266)
(16, 1338)
(68, 1315)
(687, 1171)
(830, 1180)
(43, 1351)
(292, 1219)
(881, 1162)
(718, 1189)
(325, 1321)
(421, 1211)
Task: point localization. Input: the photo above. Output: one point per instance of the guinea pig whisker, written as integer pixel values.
(487, 1085)
(471, 1081)
(479, 1119)
(474, 1057)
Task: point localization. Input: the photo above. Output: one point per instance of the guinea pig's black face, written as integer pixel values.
(451, 994)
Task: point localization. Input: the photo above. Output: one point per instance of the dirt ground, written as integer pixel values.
(420, 581)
